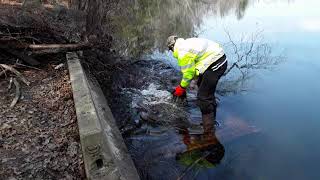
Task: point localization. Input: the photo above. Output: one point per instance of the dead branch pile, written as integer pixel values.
(26, 33)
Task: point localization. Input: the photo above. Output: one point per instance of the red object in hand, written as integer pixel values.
(179, 91)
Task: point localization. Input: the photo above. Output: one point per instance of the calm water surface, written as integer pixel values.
(282, 100)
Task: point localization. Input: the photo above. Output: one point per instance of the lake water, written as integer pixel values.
(282, 100)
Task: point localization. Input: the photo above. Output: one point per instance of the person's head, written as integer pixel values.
(171, 41)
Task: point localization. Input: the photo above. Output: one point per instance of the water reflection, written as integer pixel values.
(289, 132)
(157, 147)
(248, 55)
(168, 155)
(203, 151)
(180, 156)
(144, 25)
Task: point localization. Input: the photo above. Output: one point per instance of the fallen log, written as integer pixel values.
(57, 48)
(20, 5)
(39, 49)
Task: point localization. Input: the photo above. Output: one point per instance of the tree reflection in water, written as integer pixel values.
(249, 54)
(144, 25)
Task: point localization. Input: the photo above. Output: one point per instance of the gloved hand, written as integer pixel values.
(179, 96)
(179, 91)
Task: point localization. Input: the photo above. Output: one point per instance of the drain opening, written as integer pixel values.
(99, 163)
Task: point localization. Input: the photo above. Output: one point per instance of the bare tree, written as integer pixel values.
(159, 19)
(250, 53)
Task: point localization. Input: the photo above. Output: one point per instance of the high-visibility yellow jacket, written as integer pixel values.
(194, 56)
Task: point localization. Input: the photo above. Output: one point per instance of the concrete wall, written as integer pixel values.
(105, 154)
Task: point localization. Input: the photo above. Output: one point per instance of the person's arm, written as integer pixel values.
(188, 68)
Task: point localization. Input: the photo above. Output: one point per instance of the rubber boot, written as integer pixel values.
(207, 127)
(208, 124)
(207, 138)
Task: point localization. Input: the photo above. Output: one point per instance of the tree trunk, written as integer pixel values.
(81, 5)
(95, 15)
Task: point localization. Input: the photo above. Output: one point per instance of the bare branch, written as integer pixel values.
(3, 72)
(23, 65)
(250, 53)
(18, 93)
(10, 83)
(23, 79)
(235, 47)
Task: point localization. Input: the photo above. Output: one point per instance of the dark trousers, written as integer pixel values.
(207, 84)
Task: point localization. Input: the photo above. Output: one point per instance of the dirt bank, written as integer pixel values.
(39, 136)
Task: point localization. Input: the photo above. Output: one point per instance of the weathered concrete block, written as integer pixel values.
(115, 142)
(105, 154)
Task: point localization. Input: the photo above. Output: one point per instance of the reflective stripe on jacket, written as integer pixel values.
(194, 56)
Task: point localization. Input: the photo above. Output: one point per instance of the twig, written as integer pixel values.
(3, 72)
(18, 93)
(10, 83)
(230, 68)
(19, 64)
(16, 73)
(235, 47)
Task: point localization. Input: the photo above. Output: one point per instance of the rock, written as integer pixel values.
(165, 114)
